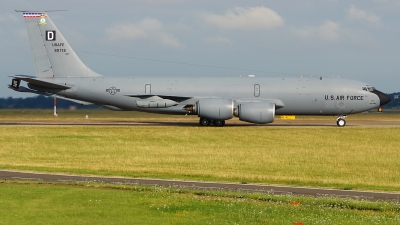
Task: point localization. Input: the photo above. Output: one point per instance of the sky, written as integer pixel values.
(186, 38)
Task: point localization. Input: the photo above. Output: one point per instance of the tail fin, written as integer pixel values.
(52, 54)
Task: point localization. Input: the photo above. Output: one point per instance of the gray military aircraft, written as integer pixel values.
(60, 73)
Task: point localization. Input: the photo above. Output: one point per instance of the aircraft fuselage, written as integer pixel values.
(300, 96)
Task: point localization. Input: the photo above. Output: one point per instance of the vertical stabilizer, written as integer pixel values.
(52, 54)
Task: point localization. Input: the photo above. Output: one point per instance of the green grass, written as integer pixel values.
(352, 158)
(41, 203)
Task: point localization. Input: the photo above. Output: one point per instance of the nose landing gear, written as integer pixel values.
(340, 121)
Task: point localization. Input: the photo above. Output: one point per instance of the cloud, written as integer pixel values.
(21, 33)
(357, 14)
(147, 29)
(8, 18)
(218, 40)
(161, 1)
(126, 31)
(329, 31)
(255, 18)
(332, 32)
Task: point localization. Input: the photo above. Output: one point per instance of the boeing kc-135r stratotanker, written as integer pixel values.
(60, 73)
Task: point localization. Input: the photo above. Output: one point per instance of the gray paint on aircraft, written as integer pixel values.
(59, 72)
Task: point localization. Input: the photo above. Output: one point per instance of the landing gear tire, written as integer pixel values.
(341, 122)
(204, 122)
(219, 123)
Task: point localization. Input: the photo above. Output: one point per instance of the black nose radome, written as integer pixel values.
(384, 98)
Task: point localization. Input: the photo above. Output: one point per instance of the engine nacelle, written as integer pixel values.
(215, 108)
(256, 112)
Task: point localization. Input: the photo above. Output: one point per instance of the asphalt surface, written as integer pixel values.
(229, 123)
(279, 190)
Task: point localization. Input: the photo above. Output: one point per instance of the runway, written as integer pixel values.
(279, 190)
(191, 122)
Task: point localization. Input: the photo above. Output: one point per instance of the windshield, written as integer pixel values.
(368, 88)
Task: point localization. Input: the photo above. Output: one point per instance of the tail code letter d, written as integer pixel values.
(50, 35)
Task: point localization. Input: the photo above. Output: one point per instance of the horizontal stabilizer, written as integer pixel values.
(25, 89)
(40, 83)
(20, 89)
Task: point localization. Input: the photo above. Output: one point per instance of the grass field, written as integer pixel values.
(35, 203)
(351, 158)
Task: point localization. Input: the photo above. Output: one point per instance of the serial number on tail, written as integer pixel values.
(60, 50)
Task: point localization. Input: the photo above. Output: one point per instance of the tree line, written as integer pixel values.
(40, 102)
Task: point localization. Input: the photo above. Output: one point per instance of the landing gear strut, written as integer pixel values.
(340, 121)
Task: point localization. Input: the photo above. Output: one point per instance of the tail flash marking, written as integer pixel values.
(34, 15)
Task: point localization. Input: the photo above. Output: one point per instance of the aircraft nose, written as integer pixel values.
(384, 98)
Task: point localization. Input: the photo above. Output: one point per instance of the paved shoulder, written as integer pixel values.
(17, 175)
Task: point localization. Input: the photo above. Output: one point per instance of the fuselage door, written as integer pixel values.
(256, 90)
(147, 89)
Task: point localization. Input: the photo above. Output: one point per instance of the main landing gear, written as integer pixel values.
(208, 122)
(340, 121)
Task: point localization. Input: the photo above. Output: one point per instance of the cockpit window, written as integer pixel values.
(368, 88)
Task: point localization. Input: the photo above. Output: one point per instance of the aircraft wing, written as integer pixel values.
(166, 101)
(72, 100)
(172, 98)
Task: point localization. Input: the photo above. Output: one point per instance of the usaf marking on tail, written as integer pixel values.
(60, 73)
